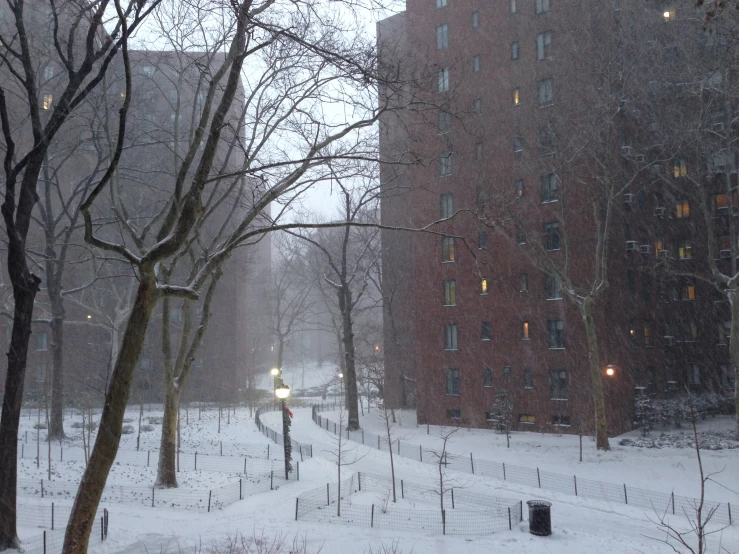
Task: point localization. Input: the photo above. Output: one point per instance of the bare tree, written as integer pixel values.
(342, 454)
(388, 417)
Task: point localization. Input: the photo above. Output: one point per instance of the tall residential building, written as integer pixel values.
(529, 137)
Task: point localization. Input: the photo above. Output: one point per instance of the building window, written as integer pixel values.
(514, 50)
(440, 4)
(724, 332)
(549, 188)
(487, 377)
(688, 290)
(551, 236)
(560, 421)
(478, 151)
(444, 122)
(685, 249)
(559, 384)
(555, 333)
(447, 249)
(482, 240)
(447, 205)
(694, 374)
(646, 288)
(528, 379)
(542, 6)
(668, 15)
(516, 97)
(547, 141)
(475, 64)
(546, 93)
(450, 293)
(148, 70)
(477, 107)
(443, 84)
(552, 288)
(450, 336)
(40, 371)
(523, 282)
(688, 330)
(526, 418)
(525, 331)
(454, 414)
(631, 284)
(485, 335)
(514, 6)
(648, 337)
(445, 164)
(483, 286)
(42, 342)
(728, 379)
(46, 101)
(520, 237)
(517, 144)
(519, 188)
(544, 46)
(679, 168)
(442, 37)
(507, 371)
(48, 73)
(452, 382)
(475, 20)
(682, 209)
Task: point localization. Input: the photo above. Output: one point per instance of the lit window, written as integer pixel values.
(542, 6)
(688, 290)
(475, 20)
(450, 336)
(514, 50)
(485, 335)
(447, 205)
(682, 209)
(452, 384)
(549, 188)
(648, 334)
(445, 164)
(450, 293)
(526, 418)
(544, 46)
(442, 37)
(443, 83)
(447, 249)
(685, 249)
(516, 97)
(443, 122)
(659, 246)
(546, 93)
(483, 286)
(555, 333)
(519, 188)
(475, 64)
(525, 330)
(487, 377)
(46, 101)
(679, 168)
(559, 385)
(523, 282)
(668, 15)
(632, 334)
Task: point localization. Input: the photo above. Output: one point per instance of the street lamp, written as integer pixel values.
(610, 371)
(275, 372)
(341, 380)
(282, 392)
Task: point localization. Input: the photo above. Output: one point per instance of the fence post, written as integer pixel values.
(221, 448)
(23, 445)
(296, 508)
(402, 492)
(420, 449)
(44, 541)
(240, 493)
(372, 516)
(61, 453)
(105, 513)
(452, 498)
(472, 464)
(510, 523)
(359, 476)
(52, 516)
(328, 495)
(297, 465)
(672, 495)
(268, 452)
(503, 471)
(301, 452)
(152, 497)
(538, 477)
(271, 480)
(626, 498)
(378, 442)
(210, 493)
(728, 505)
(575, 478)
(362, 436)
(148, 457)
(443, 522)
(42, 488)
(196, 461)
(102, 528)
(244, 466)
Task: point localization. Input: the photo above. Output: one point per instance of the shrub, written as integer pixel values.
(147, 428)
(39, 425)
(127, 430)
(154, 420)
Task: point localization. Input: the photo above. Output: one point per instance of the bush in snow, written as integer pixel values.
(127, 430)
(645, 414)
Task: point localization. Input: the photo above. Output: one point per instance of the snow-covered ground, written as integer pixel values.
(580, 526)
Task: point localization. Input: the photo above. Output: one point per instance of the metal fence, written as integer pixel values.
(215, 498)
(534, 477)
(304, 450)
(464, 513)
(51, 540)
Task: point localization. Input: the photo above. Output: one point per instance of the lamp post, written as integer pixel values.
(341, 387)
(276, 374)
(282, 392)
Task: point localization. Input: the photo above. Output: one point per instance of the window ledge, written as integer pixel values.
(449, 262)
(550, 201)
(451, 350)
(560, 425)
(559, 399)
(448, 394)
(558, 298)
(557, 348)
(528, 388)
(526, 423)
(485, 340)
(450, 305)
(526, 339)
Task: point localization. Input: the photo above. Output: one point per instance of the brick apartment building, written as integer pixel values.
(168, 90)
(472, 312)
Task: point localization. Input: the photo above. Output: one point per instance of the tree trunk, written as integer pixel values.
(56, 423)
(734, 350)
(596, 376)
(350, 377)
(25, 287)
(166, 471)
(103, 454)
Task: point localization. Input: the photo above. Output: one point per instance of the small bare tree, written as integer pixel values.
(341, 454)
(388, 417)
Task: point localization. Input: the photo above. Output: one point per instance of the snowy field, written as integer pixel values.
(579, 526)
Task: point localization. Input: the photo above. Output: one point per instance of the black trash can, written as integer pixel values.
(540, 518)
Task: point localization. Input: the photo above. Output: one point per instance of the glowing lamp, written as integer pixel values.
(274, 371)
(282, 392)
(610, 371)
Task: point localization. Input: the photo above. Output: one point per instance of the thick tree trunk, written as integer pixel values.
(166, 471)
(25, 287)
(350, 377)
(734, 350)
(56, 421)
(103, 454)
(596, 376)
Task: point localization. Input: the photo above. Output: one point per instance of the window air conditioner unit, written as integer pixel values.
(718, 127)
(632, 246)
(629, 198)
(663, 254)
(645, 249)
(640, 158)
(719, 168)
(660, 211)
(725, 254)
(669, 340)
(627, 150)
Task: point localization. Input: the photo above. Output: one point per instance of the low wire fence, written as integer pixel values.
(462, 513)
(534, 477)
(51, 540)
(304, 450)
